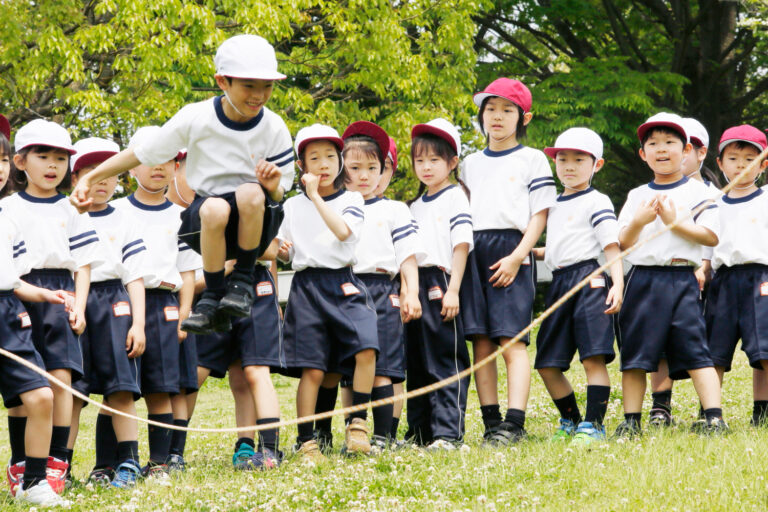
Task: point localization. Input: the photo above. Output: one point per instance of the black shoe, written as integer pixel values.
(504, 434)
(239, 297)
(660, 418)
(324, 440)
(205, 318)
(716, 427)
(628, 429)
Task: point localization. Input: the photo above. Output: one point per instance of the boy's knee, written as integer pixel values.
(39, 400)
(214, 212)
(313, 375)
(250, 197)
(593, 363)
(256, 374)
(366, 357)
(548, 373)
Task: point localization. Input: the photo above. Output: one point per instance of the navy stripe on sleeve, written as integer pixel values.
(404, 234)
(461, 216)
(599, 213)
(353, 210)
(83, 243)
(18, 246)
(281, 155)
(134, 251)
(19, 253)
(601, 219)
(710, 207)
(82, 235)
(403, 228)
(541, 185)
(701, 203)
(286, 161)
(461, 221)
(127, 246)
(545, 179)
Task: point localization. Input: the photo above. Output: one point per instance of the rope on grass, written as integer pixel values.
(416, 392)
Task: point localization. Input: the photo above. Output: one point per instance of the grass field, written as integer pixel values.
(667, 470)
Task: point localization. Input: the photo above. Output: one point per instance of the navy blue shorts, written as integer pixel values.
(329, 318)
(254, 341)
(16, 337)
(188, 364)
(108, 317)
(386, 296)
(496, 312)
(579, 323)
(737, 308)
(53, 337)
(189, 231)
(661, 315)
(435, 350)
(160, 362)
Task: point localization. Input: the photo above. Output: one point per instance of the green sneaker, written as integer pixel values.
(588, 432)
(565, 431)
(242, 456)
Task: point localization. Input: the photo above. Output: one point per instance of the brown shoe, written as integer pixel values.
(356, 440)
(309, 450)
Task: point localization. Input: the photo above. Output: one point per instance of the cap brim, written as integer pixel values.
(421, 129)
(552, 152)
(69, 150)
(336, 141)
(479, 97)
(256, 75)
(5, 127)
(643, 128)
(697, 141)
(92, 158)
(371, 130)
(724, 143)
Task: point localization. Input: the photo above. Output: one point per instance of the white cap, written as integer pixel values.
(578, 139)
(443, 129)
(672, 121)
(317, 132)
(696, 132)
(247, 56)
(142, 135)
(93, 150)
(43, 133)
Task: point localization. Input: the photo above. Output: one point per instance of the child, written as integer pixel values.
(661, 313)
(736, 304)
(580, 224)
(240, 164)
(511, 188)
(170, 268)
(59, 242)
(330, 318)
(115, 319)
(435, 346)
(19, 385)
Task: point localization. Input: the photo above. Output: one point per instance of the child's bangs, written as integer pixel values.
(365, 146)
(428, 143)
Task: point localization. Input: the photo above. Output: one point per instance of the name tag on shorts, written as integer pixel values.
(680, 262)
(527, 260)
(122, 308)
(395, 300)
(25, 321)
(435, 293)
(349, 289)
(764, 290)
(597, 282)
(264, 288)
(171, 313)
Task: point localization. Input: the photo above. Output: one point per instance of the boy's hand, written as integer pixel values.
(77, 321)
(506, 271)
(410, 307)
(646, 213)
(703, 274)
(60, 297)
(135, 342)
(181, 334)
(311, 182)
(79, 196)
(539, 253)
(284, 252)
(615, 299)
(269, 175)
(666, 211)
(450, 306)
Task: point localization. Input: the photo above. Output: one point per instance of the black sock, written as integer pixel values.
(393, 429)
(515, 417)
(159, 438)
(128, 450)
(759, 411)
(34, 471)
(59, 438)
(662, 400)
(215, 283)
(70, 456)
(597, 403)
(568, 408)
(702, 415)
(179, 438)
(491, 415)
(382, 415)
(16, 427)
(633, 417)
(358, 399)
(246, 261)
(244, 440)
(712, 413)
(306, 432)
(106, 443)
(268, 438)
(326, 401)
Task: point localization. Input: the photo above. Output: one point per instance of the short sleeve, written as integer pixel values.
(604, 223)
(187, 258)
(627, 211)
(541, 187)
(20, 260)
(280, 153)
(84, 243)
(353, 215)
(460, 219)
(405, 235)
(172, 137)
(133, 254)
(707, 215)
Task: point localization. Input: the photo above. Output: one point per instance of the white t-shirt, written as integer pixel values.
(221, 154)
(122, 246)
(55, 234)
(12, 253)
(507, 187)
(743, 230)
(579, 227)
(389, 236)
(444, 221)
(669, 248)
(314, 244)
(166, 256)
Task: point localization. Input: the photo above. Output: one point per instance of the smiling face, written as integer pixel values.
(321, 158)
(247, 96)
(663, 151)
(575, 169)
(735, 158)
(154, 178)
(45, 170)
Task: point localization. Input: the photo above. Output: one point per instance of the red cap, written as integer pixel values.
(392, 154)
(513, 90)
(372, 130)
(5, 127)
(743, 133)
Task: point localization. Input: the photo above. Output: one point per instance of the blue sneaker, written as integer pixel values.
(264, 459)
(565, 431)
(126, 475)
(587, 433)
(242, 456)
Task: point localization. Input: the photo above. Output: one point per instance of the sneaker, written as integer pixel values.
(242, 456)
(175, 463)
(443, 445)
(101, 477)
(588, 432)
(505, 434)
(205, 318)
(69, 480)
(41, 494)
(716, 427)
(239, 297)
(699, 426)
(324, 440)
(628, 430)
(379, 444)
(127, 474)
(309, 450)
(565, 431)
(356, 438)
(15, 475)
(155, 470)
(660, 418)
(264, 459)
(56, 474)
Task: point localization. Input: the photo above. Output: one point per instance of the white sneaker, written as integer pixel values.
(41, 494)
(442, 445)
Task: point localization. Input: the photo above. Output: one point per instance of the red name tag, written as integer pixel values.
(121, 308)
(25, 320)
(264, 288)
(435, 293)
(395, 301)
(349, 289)
(171, 313)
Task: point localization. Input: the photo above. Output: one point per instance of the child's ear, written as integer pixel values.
(300, 165)
(687, 148)
(527, 118)
(454, 162)
(599, 164)
(222, 82)
(642, 154)
(19, 161)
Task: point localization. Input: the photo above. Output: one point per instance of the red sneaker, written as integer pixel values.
(56, 474)
(15, 475)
